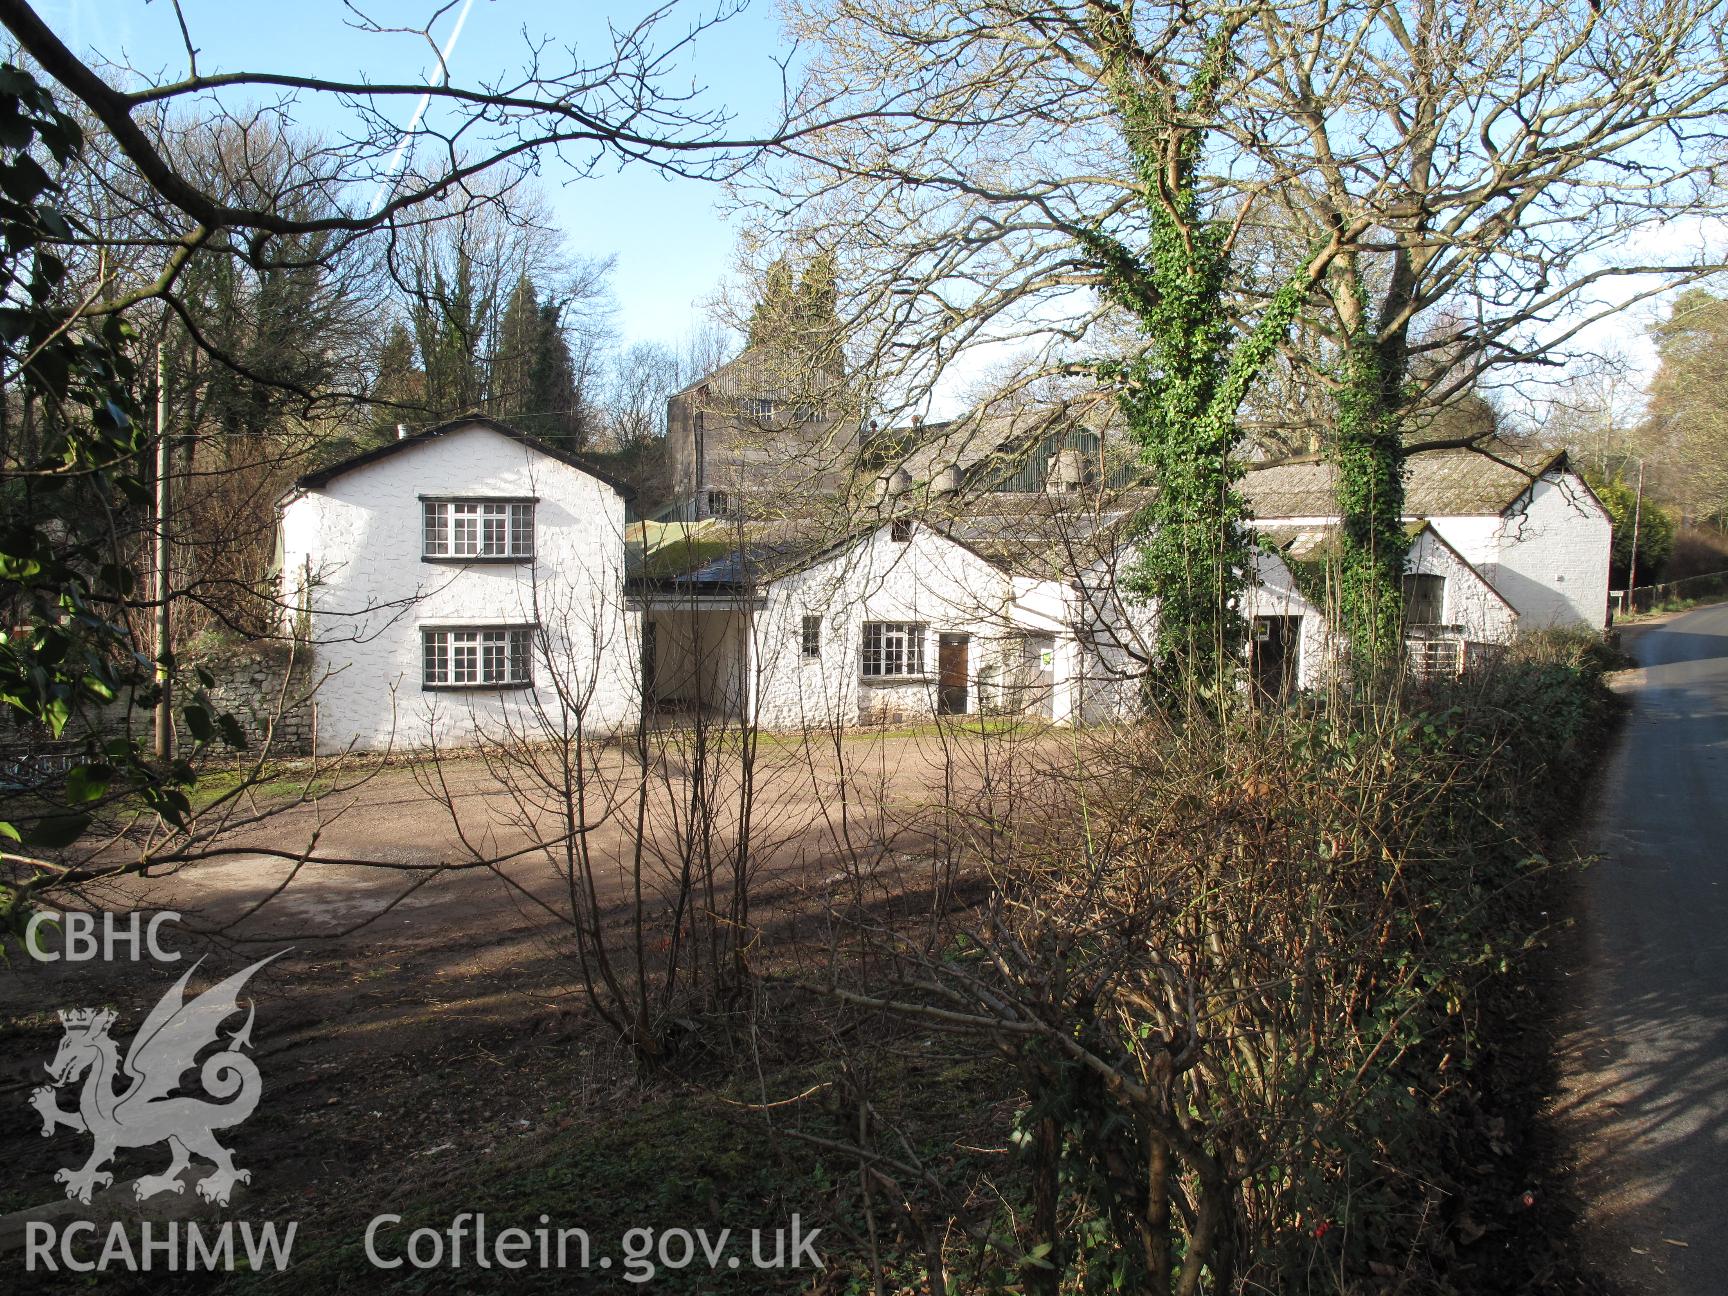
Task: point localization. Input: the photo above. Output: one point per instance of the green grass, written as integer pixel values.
(271, 785)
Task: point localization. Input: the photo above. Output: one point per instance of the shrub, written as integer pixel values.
(1239, 971)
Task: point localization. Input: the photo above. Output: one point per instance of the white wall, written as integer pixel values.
(1275, 593)
(360, 538)
(701, 658)
(928, 579)
(1114, 642)
(1470, 601)
(1475, 536)
(1555, 547)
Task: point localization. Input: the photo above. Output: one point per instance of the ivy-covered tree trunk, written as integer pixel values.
(1370, 461)
(1368, 454)
(1195, 555)
(1179, 397)
(1194, 558)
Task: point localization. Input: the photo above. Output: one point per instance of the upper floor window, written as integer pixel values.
(495, 530)
(893, 648)
(901, 530)
(1424, 599)
(477, 657)
(760, 407)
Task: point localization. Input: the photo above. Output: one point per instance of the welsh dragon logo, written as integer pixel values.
(148, 1110)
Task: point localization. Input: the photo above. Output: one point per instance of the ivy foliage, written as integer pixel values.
(1179, 395)
(71, 449)
(1369, 457)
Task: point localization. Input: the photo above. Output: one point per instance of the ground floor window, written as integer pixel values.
(479, 657)
(810, 637)
(893, 648)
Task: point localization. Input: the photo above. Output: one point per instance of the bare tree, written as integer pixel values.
(623, 106)
(641, 378)
(1457, 188)
(195, 201)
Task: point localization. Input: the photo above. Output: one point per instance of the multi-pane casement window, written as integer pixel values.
(477, 530)
(893, 648)
(476, 657)
(810, 637)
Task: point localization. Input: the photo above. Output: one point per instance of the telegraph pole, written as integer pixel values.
(1637, 519)
(164, 565)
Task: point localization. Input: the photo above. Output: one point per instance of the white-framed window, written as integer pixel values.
(810, 636)
(893, 648)
(476, 656)
(479, 530)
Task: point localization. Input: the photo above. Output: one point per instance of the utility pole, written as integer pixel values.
(164, 564)
(1637, 519)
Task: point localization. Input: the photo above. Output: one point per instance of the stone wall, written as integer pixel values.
(266, 687)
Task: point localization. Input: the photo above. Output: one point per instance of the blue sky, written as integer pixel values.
(672, 245)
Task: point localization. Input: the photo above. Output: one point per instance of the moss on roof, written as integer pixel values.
(1440, 483)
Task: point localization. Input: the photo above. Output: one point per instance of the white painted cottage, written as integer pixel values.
(1507, 540)
(469, 581)
(894, 621)
(1523, 518)
(458, 583)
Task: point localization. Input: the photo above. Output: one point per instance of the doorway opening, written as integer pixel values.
(1275, 655)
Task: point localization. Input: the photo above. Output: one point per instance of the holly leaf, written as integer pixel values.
(54, 832)
(232, 733)
(198, 721)
(87, 783)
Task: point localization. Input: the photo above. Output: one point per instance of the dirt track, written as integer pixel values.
(413, 1003)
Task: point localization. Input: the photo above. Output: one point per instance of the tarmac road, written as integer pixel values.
(1645, 1069)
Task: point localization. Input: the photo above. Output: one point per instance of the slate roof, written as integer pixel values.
(1055, 536)
(1441, 483)
(1046, 537)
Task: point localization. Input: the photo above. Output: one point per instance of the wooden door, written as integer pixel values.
(650, 662)
(953, 671)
